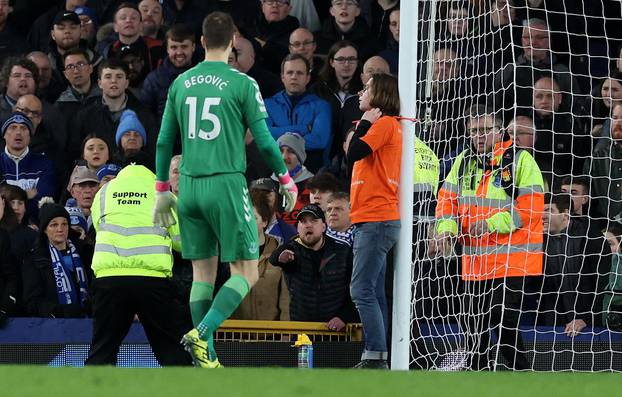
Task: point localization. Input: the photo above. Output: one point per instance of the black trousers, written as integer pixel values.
(115, 302)
(494, 304)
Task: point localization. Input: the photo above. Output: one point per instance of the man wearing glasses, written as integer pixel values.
(81, 91)
(273, 30)
(493, 201)
(345, 23)
(47, 137)
(302, 42)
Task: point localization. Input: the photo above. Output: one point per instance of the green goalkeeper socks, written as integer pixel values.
(201, 295)
(226, 301)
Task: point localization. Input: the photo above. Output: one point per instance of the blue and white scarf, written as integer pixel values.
(65, 272)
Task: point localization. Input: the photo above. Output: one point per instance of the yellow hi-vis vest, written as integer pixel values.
(425, 182)
(127, 242)
(427, 168)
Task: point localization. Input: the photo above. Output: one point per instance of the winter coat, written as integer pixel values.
(9, 276)
(310, 117)
(572, 264)
(40, 294)
(97, 119)
(155, 87)
(34, 170)
(276, 36)
(360, 35)
(319, 281)
(269, 298)
(605, 170)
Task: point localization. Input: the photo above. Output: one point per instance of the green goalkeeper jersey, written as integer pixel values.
(211, 106)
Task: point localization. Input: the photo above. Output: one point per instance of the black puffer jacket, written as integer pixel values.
(575, 264)
(318, 281)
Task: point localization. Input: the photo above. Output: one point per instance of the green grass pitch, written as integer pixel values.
(32, 381)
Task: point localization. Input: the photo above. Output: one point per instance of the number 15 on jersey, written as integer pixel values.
(206, 115)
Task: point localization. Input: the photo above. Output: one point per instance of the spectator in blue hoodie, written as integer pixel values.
(180, 45)
(298, 111)
(33, 172)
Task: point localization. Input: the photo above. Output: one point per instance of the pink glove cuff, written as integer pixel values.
(285, 178)
(163, 186)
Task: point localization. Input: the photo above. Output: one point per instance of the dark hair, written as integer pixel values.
(218, 30)
(324, 182)
(91, 136)
(25, 63)
(112, 63)
(615, 228)
(327, 73)
(12, 192)
(76, 51)
(385, 94)
(261, 204)
(258, 195)
(9, 220)
(338, 196)
(295, 57)
(180, 32)
(577, 180)
(599, 109)
(563, 201)
(127, 5)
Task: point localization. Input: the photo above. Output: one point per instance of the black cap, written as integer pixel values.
(128, 49)
(313, 210)
(68, 16)
(265, 184)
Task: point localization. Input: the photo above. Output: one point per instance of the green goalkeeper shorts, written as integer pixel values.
(216, 211)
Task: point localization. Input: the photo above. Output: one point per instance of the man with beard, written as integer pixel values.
(151, 12)
(318, 269)
(137, 70)
(128, 25)
(180, 45)
(65, 35)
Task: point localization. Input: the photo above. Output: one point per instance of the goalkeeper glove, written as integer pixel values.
(164, 205)
(289, 190)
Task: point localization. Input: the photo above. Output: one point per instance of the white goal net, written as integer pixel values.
(520, 269)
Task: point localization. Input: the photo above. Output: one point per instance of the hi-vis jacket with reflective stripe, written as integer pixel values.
(425, 177)
(127, 242)
(425, 181)
(513, 244)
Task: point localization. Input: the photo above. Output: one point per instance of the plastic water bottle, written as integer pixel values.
(305, 351)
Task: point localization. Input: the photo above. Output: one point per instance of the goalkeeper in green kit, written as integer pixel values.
(211, 106)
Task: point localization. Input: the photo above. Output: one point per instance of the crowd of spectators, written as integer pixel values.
(84, 83)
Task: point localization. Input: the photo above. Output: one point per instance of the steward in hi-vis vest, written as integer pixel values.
(133, 265)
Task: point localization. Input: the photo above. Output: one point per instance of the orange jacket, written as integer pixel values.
(512, 245)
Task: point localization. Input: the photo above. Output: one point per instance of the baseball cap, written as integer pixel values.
(68, 16)
(313, 210)
(264, 184)
(82, 174)
(128, 49)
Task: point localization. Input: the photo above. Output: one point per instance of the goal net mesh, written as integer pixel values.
(547, 73)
